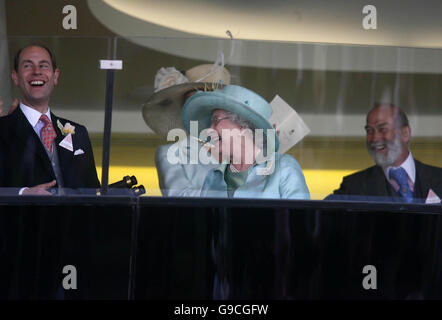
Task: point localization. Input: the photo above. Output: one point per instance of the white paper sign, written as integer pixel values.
(290, 125)
(432, 197)
(67, 143)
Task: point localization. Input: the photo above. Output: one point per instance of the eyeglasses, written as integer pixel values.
(216, 121)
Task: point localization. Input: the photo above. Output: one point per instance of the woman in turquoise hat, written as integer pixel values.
(244, 142)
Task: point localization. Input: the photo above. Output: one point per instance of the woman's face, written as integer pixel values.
(232, 143)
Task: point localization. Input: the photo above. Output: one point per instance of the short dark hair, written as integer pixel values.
(17, 55)
(400, 116)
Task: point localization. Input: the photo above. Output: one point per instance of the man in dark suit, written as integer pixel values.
(38, 150)
(397, 176)
(408, 270)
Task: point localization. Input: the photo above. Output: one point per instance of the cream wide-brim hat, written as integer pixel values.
(162, 110)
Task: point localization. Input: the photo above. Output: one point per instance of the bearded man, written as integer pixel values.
(397, 176)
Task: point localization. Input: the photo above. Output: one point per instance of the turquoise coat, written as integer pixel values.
(207, 180)
(181, 179)
(286, 182)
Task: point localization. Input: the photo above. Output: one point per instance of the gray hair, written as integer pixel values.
(244, 124)
(400, 118)
(240, 121)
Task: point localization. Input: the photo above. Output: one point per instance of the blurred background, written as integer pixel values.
(316, 55)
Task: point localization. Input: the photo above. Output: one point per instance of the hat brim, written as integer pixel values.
(162, 111)
(201, 105)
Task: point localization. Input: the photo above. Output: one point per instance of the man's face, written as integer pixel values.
(386, 143)
(35, 77)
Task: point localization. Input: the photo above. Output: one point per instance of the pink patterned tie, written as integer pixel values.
(47, 132)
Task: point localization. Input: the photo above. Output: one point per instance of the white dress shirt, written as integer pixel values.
(33, 117)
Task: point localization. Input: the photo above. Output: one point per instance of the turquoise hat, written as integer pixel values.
(244, 102)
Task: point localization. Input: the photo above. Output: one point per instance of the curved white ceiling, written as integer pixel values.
(401, 23)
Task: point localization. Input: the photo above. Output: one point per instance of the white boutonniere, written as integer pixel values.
(66, 129)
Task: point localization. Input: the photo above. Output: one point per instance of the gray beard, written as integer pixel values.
(394, 150)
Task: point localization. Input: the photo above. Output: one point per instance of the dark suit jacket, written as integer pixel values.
(25, 163)
(372, 185)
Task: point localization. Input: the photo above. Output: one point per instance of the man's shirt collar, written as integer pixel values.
(33, 115)
(408, 165)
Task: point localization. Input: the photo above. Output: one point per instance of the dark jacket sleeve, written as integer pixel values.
(4, 190)
(343, 193)
(1, 166)
(2, 160)
(85, 173)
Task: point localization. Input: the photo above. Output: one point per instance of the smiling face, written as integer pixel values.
(387, 141)
(35, 77)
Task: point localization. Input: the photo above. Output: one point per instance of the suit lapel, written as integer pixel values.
(23, 130)
(60, 136)
(379, 183)
(381, 187)
(64, 156)
(423, 181)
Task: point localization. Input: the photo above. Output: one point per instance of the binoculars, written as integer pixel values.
(126, 186)
(127, 182)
